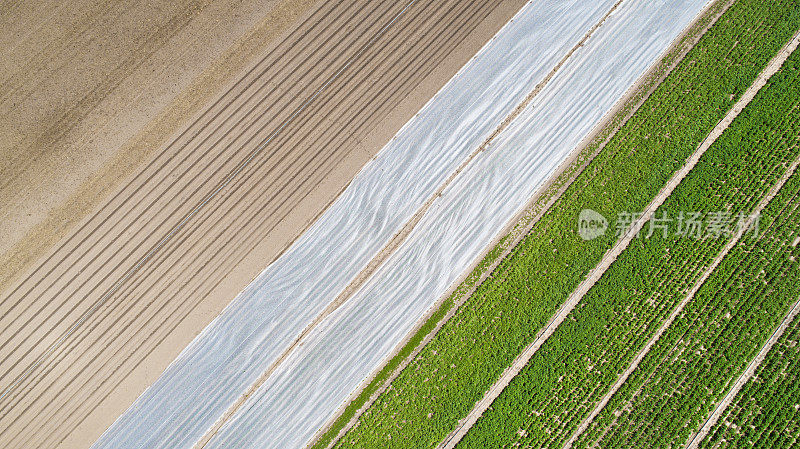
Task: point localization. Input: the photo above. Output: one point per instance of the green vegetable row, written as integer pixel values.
(696, 362)
(766, 411)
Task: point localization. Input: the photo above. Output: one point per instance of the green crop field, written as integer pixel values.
(766, 412)
(576, 366)
(697, 360)
(441, 385)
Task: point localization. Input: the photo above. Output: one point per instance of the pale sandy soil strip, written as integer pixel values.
(696, 439)
(679, 308)
(520, 226)
(126, 334)
(522, 360)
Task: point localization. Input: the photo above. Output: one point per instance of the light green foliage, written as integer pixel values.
(695, 363)
(766, 411)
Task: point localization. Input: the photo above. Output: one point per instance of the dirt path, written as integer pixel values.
(679, 308)
(522, 360)
(103, 312)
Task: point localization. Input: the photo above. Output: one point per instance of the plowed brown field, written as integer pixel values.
(155, 158)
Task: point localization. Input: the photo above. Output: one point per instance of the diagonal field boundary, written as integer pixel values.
(253, 388)
(522, 360)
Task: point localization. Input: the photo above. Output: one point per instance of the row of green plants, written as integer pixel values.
(441, 384)
(577, 365)
(696, 362)
(765, 412)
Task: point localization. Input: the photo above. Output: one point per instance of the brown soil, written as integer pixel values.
(137, 196)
